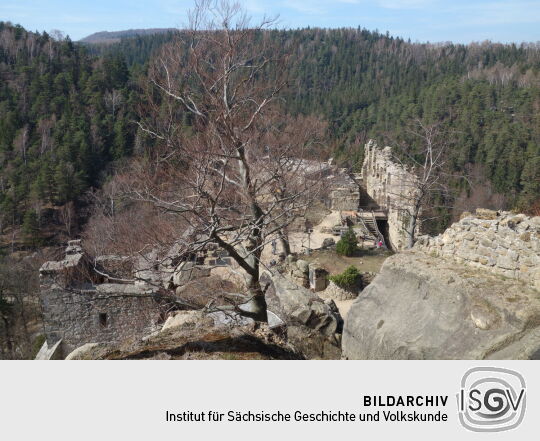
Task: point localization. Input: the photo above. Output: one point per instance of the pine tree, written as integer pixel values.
(348, 244)
(30, 229)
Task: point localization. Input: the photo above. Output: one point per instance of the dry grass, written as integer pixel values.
(365, 261)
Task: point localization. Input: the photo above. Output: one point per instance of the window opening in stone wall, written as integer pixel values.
(103, 319)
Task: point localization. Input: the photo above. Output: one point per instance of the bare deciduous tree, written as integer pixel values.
(113, 100)
(19, 311)
(68, 217)
(240, 175)
(429, 175)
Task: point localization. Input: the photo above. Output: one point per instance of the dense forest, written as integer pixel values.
(64, 115)
(67, 110)
(370, 85)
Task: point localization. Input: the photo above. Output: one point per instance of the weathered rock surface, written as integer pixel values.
(196, 335)
(313, 326)
(421, 307)
(89, 351)
(298, 305)
(328, 243)
(303, 273)
(297, 270)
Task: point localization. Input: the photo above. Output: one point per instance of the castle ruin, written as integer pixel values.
(78, 308)
(381, 195)
(503, 243)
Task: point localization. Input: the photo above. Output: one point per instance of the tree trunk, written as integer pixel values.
(9, 341)
(255, 307)
(411, 228)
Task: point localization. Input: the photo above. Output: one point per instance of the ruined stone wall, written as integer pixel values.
(79, 310)
(105, 313)
(390, 186)
(345, 193)
(502, 243)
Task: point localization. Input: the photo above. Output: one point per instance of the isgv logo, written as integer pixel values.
(491, 399)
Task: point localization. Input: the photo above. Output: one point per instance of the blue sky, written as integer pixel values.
(420, 20)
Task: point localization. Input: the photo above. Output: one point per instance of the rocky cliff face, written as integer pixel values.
(441, 301)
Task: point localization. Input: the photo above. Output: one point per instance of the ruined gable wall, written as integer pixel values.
(391, 186)
(502, 243)
(345, 193)
(103, 314)
(80, 310)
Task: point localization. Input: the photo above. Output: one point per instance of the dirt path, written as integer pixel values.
(300, 241)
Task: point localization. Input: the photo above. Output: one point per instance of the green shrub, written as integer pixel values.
(348, 279)
(347, 245)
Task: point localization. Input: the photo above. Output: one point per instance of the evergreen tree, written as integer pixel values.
(348, 244)
(30, 229)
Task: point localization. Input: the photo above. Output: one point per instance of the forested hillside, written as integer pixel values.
(67, 109)
(63, 116)
(114, 37)
(371, 85)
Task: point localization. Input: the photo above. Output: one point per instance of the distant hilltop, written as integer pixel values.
(115, 36)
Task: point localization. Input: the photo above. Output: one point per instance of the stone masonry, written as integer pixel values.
(345, 193)
(391, 186)
(500, 242)
(77, 309)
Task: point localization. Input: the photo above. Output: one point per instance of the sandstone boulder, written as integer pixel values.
(303, 266)
(296, 304)
(484, 213)
(420, 307)
(89, 351)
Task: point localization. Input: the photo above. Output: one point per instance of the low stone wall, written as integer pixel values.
(334, 292)
(503, 243)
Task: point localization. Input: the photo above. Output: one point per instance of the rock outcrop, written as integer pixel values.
(196, 335)
(313, 325)
(305, 274)
(299, 305)
(440, 301)
(335, 292)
